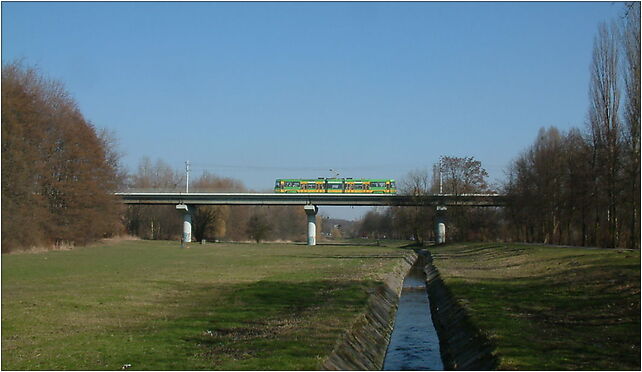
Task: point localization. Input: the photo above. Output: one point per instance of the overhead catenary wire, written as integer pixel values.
(289, 168)
(497, 171)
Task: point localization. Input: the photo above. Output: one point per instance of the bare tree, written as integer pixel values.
(211, 221)
(289, 222)
(465, 175)
(549, 188)
(577, 185)
(258, 227)
(630, 42)
(585, 188)
(604, 127)
(462, 175)
(154, 221)
(57, 175)
(416, 220)
(377, 224)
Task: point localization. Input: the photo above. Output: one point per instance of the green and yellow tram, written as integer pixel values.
(335, 185)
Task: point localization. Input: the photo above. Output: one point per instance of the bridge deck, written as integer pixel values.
(480, 200)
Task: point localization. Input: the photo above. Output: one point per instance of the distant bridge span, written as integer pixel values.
(188, 201)
(447, 200)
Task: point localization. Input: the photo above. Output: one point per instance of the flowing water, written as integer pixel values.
(414, 344)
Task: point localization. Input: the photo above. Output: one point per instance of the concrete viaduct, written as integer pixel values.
(310, 202)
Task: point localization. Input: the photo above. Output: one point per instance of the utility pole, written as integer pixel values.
(436, 172)
(187, 177)
(440, 215)
(441, 185)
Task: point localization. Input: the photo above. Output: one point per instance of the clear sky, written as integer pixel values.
(259, 91)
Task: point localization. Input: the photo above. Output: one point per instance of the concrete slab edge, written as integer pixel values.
(462, 344)
(363, 347)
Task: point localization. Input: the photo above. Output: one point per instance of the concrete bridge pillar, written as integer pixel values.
(187, 222)
(440, 225)
(311, 211)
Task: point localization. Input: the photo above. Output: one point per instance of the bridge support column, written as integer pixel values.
(187, 223)
(311, 211)
(440, 225)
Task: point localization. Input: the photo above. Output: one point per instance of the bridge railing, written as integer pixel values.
(200, 198)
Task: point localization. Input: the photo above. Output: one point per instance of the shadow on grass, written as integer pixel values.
(325, 244)
(401, 254)
(413, 246)
(357, 244)
(260, 325)
(485, 251)
(341, 257)
(579, 318)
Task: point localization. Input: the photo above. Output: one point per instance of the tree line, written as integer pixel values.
(59, 176)
(211, 223)
(582, 187)
(578, 187)
(58, 172)
(453, 175)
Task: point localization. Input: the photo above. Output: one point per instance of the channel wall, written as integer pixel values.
(364, 346)
(462, 345)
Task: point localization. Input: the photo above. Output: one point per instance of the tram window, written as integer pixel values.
(358, 186)
(335, 186)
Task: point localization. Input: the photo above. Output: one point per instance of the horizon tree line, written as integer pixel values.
(583, 187)
(577, 187)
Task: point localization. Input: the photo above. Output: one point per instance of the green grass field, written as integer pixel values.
(550, 308)
(156, 306)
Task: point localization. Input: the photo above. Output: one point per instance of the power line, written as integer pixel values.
(287, 168)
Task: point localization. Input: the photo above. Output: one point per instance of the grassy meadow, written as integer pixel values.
(549, 308)
(155, 306)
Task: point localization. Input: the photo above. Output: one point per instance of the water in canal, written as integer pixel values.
(414, 344)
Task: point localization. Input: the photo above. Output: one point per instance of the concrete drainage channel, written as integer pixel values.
(414, 344)
(463, 346)
(373, 344)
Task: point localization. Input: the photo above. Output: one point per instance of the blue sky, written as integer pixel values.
(259, 91)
